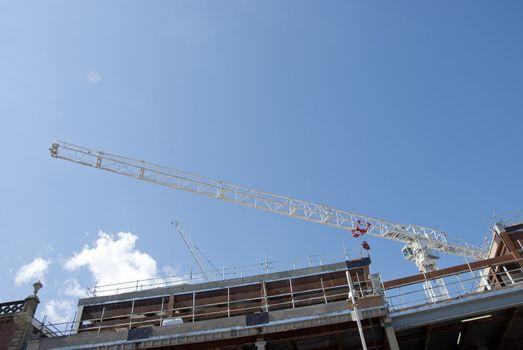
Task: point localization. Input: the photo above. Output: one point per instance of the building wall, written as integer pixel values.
(16, 322)
(7, 329)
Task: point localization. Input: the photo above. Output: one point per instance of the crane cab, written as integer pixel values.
(408, 252)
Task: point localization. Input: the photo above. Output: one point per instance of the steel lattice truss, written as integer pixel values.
(249, 197)
(209, 271)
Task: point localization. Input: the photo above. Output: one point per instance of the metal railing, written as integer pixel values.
(458, 286)
(404, 297)
(222, 309)
(266, 266)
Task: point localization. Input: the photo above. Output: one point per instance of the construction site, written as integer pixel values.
(343, 305)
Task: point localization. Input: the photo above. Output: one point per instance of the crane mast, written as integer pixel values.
(421, 242)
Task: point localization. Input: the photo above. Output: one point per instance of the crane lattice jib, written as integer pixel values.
(319, 213)
(208, 270)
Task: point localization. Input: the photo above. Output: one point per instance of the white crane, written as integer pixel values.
(421, 242)
(209, 272)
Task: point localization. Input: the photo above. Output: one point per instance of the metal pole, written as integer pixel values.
(193, 304)
(473, 275)
(292, 294)
(131, 317)
(461, 284)
(402, 297)
(72, 324)
(323, 289)
(101, 319)
(360, 290)
(161, 311)
(484, 280)
(42, 324)
(508, 274)
(228, 302)
(356, 312)
(265, 298)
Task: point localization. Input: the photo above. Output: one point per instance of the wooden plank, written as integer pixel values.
(511, 247)
(448, 271)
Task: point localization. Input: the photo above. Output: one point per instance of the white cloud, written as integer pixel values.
(171, 276)
(72, 288)
(33, 271)
(62, 310)
(169, 271)
(114, 259)
(59, 310)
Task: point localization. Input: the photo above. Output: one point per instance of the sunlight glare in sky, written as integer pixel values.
(94, 77)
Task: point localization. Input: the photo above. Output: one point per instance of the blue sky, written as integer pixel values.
(407, 110)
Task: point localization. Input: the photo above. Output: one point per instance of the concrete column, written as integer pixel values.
(23, 320)
(260, 344)
(31, 302)
(389, 332)
(76, 324)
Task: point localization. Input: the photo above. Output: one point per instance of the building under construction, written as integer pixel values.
(345, 305)
(478, 305)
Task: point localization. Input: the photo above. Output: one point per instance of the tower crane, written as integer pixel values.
(421, 243)
(209, 272)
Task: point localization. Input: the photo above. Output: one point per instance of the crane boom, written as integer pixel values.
(209, 272)
(318, 213)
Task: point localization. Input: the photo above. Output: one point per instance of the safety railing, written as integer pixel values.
(163, 315)
(462, 284)
(408, 294)
(265, 266)
(47, 329)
